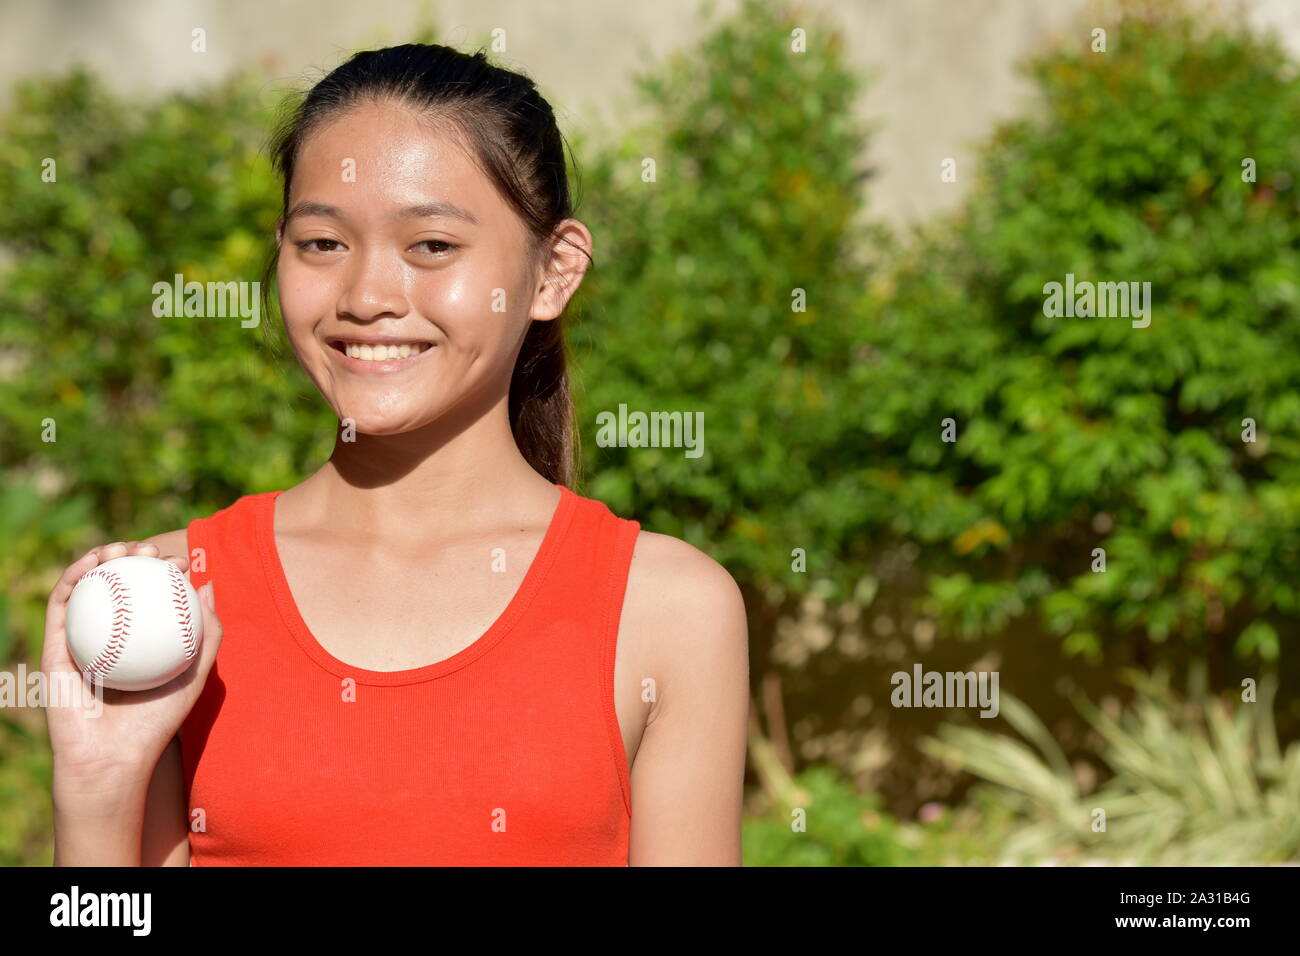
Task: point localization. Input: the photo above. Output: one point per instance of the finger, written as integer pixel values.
(145, 548)
(180, 560)
(212, 633)
(55, 656)
(110, 551)
(63, 588)
(54, 649)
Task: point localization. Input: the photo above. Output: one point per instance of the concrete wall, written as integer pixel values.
(944, 68)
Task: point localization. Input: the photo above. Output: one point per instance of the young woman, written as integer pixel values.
(431, 651)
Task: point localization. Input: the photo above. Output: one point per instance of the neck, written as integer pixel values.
(452, 473)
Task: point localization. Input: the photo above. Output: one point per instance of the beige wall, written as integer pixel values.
(944, 68)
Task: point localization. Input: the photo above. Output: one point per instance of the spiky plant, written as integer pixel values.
(1191, 781)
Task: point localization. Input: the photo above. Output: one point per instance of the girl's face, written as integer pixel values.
(403, 276)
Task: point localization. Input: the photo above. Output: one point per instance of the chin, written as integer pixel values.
(372, 421)
(380, 427)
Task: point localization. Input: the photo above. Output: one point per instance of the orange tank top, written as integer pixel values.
(506, 753)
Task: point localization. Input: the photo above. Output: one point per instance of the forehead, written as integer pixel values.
(396, 157)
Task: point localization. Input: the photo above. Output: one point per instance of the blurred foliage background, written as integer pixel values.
(746, 279)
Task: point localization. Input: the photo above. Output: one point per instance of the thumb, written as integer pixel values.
(212, 632)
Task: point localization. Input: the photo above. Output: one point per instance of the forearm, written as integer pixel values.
(100, 823)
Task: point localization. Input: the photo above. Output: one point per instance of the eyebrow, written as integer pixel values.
(429, 210)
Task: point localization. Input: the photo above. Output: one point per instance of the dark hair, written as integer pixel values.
(512, 130)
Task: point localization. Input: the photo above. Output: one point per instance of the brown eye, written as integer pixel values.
(321, 245)
(446, 246)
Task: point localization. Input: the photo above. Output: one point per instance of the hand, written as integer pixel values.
(120, 744)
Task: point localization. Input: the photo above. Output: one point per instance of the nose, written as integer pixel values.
(374, 287)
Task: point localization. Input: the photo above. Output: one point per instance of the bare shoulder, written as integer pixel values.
(682, 609)
(667, 571)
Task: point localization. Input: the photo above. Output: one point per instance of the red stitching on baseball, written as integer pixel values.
(121, 598)
(181, 601)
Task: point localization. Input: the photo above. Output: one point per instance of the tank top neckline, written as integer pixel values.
(534, 577)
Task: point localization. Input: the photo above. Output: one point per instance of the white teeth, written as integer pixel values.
(382, 353)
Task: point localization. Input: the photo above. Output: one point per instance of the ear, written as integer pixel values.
(564, 263)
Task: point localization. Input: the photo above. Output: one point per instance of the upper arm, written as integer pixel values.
(171, 543)
(165, 837)
(688, 774)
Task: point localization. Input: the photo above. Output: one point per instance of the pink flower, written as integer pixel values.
(930, 812)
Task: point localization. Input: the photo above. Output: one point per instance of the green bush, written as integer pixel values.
(26, 815)
(757, 193)
(1083, 433)
(836, 825)
(839, 828)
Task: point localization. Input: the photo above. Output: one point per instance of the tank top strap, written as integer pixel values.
(223, 550)
(593, 563)
(577, 618)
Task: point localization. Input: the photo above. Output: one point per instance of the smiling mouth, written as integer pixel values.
(379, 352)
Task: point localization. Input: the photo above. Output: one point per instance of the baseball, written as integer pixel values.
(135, 622)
